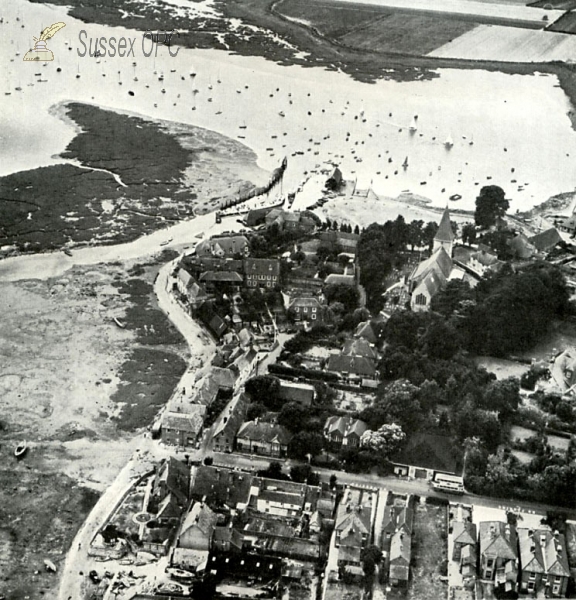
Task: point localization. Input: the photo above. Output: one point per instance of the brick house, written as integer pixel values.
(261, 272)
(305, 308)
(264, 439)
(499, 554)
(183, 428)
(344, 431)
(544, 562)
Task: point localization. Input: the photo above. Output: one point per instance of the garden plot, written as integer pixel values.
(510, 44)
(429, 553)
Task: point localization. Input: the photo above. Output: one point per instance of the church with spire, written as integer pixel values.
(432, 274)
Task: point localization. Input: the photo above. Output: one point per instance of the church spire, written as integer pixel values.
(444, 236)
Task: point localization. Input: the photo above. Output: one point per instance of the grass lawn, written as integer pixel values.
(429, 551)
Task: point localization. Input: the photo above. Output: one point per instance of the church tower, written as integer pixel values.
(444, 236)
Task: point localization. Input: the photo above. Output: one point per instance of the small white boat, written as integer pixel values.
(405, 163)
(281, 113)
(119, 323)
(449, 142)
(413, 127)
(21, 449)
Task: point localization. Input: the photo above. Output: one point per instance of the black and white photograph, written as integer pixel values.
(288, 298)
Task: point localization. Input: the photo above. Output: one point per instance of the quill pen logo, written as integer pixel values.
(40, 50)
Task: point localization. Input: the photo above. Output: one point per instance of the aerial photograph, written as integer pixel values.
(289, 299)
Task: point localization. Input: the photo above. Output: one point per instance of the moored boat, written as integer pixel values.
(21, 449)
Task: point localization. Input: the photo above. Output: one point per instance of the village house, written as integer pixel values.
(340, 241)
(287, 220)
(221, 487)
(183, 428)
(304, 308)
(464, 536)
(294, 391)
(426, 455)
(265, 439)
(482, 262)
(224, 247)
(352, 368)
(212, 320)
(261, 272)
(564, 223)
(190, 289)
(499, 554)
(359, 347)
(399, 558)
(353, 527)
(221, 280)
(344, 431)
(348, 278)
(520, 247)
(367, 331)
(283, 498)
(228, 423)
(545, 241)
(171, 481)
(195, 538)
(544, 562)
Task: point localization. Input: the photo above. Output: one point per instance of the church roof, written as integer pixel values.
(445, 233)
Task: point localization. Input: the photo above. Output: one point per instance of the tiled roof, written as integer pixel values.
(231, 276)
(334, 279)
(366, 330)
(400, 551)
(440, 262)
(546, 240)
(232, 417)
(185, 277)
(262, 266)
(464, 532)
(345, 425)
(202, 517)
(357, 365)
(498, 539)
(304, 302)
(176, 474)
(542, 551)
(221, 486)
(190, 422)
(228, 245)
(264, 432)
(359, 347)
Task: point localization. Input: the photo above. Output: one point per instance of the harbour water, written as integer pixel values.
(508, 130)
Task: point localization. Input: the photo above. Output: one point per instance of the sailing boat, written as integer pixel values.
(449, 142)
(405, 163)
(413, 127)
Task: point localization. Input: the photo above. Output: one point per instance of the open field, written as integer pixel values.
(510, 44)
(375, 28)
(429, 553)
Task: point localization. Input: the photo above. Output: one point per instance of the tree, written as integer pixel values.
(502, 396)
(265, 389)
(304, 474)
(274, 470)
(333, 481)
(429, 233)
(346, 294)
(415, 234)
(304, 443)
(255, 410)
(440, 340)
(491, 204)
(294, 416)
(370, 557)
(400, 400)
(468, 233)
(208, 461)
(385, 440)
